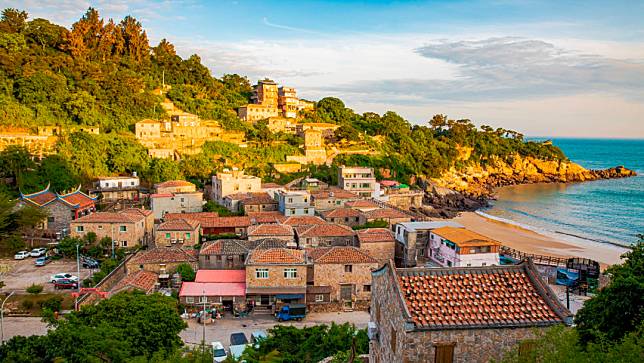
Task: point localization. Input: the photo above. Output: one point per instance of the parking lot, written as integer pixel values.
(18, 275)
(221, 329)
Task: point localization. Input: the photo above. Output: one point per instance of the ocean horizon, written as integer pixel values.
(606, 211)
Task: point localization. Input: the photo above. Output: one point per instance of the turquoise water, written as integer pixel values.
(605, 210)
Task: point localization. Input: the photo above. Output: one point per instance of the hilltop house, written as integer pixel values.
(359, 180)
(466, 314)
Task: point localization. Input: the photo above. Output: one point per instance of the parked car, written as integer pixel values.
(21, 255)
(218, 352)
(89, 262)
(238, 343)
(65, 284)
(37, 252)
(61, 276)
(42, 261)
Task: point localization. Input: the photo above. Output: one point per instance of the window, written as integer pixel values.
(484, 264)
(203, 299)
(80, 229)
(366, 288)
(187, 235)
(190, 299)
(290, 273)
(122, 228)
(124, 243)
(50, 219)
(306, 211)
(449, 263)
(261, 273)
(167, 235)
(319, 298)
(100, 227)
(444, 353)
(348, 268)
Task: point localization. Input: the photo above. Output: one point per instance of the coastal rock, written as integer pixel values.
(477, 180)
(442, 202)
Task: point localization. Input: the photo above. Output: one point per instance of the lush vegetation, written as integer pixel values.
(286, 344)
(14, 222)
(608, 328)
(128, 327)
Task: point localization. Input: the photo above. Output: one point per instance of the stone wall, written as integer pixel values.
(107, 283)
(222, 262)
(381, 251)
(334, 275)
(165, 238)
(336, 306)
(169, 267)
(276, 276)
(133, 235)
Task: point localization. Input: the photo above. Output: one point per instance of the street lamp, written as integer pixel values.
(2, 315)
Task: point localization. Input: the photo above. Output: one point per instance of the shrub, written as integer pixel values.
(54, 303)
(34, 289)
(186, 272)
(26, 304)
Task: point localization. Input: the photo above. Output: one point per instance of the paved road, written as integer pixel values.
(19, 275)
(24, 326)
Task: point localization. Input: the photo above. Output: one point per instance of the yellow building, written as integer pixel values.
(230, 182)
(254, 112)
(268, 101)
(265, 93)
(288, 102)
(314, 151)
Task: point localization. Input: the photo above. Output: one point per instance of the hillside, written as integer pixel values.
(105, 73)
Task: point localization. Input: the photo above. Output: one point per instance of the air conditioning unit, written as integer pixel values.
(372, 330)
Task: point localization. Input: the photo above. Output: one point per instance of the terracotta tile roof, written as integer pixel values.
(303, 221)
(339, 255)
(362, 204)
(267, 217)
(137, 211)
(213, 222)
(340, 213)
(142, 280)
(109, 217)
(324, 230)
(272, 229)
(197, 216)
(271, 186)
(77, 199)
(164, 255)
(266, 243)
(464, 238)
(374, 235)
(336, 193)
(471, 297)
(224, 247)
(385, 213)
(276, 256)
(178, 225)
(173, 183)
(40, 198)
(261, 198)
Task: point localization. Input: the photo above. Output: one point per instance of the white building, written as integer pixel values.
(295, 203)
(360, 180)
(233, 182)
(459, 247)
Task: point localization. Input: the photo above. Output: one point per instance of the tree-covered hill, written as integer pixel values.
(105, 72)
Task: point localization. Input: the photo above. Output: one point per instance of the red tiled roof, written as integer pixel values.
(220, 276)
(374, 235)
(258, 198)
(165, 255)
(192, 215)
(325, 230)
(385, 213)
(224, 247)
(40, 198)
(276, 256)
(340, 213)
(173, 183)
(267, 217)
(137, 211)
(78, 199)
(142, 280)
(272, 229)
(178, 225)
(340, 255)
(271, 186)
(303, 221)
(362, 204)
(495, 296)
(213, 222)
(336, 193)
(109, 217)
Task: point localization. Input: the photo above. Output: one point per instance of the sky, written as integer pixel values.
(543, 68)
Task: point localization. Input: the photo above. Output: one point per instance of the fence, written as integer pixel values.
(537, 259)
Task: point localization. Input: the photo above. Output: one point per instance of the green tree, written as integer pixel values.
(186, 271)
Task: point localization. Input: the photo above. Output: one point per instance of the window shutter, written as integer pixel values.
(444, 353)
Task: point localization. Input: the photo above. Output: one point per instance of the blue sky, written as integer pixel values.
(555, 68)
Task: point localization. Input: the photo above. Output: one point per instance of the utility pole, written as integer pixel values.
(78, 283)
(2, 315)
(203, 320)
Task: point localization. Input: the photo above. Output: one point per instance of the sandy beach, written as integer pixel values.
(532, 242)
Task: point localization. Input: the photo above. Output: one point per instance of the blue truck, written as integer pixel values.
(291, 312)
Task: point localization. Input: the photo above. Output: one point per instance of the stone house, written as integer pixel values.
(128, 228)
(223, 254)
(325, 199)
(225, 288)
(61, 209)
(230, 182)
(162, 260)
(346, 271)
(377, 242)
(324, 235)
(184, 202)
(177, 233)
(298, 221)
(250, 202)
(466, 314)
(275, 276)
(272, 230)
(144, 281)
(346, 216)
(389, 215)
(412, 241)
(451, 246)
(218, 225)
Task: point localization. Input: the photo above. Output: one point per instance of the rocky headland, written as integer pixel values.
(470, 187)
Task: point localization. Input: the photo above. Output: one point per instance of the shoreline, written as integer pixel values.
(531, 241)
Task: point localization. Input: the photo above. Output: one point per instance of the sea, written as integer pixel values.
(608, 211)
